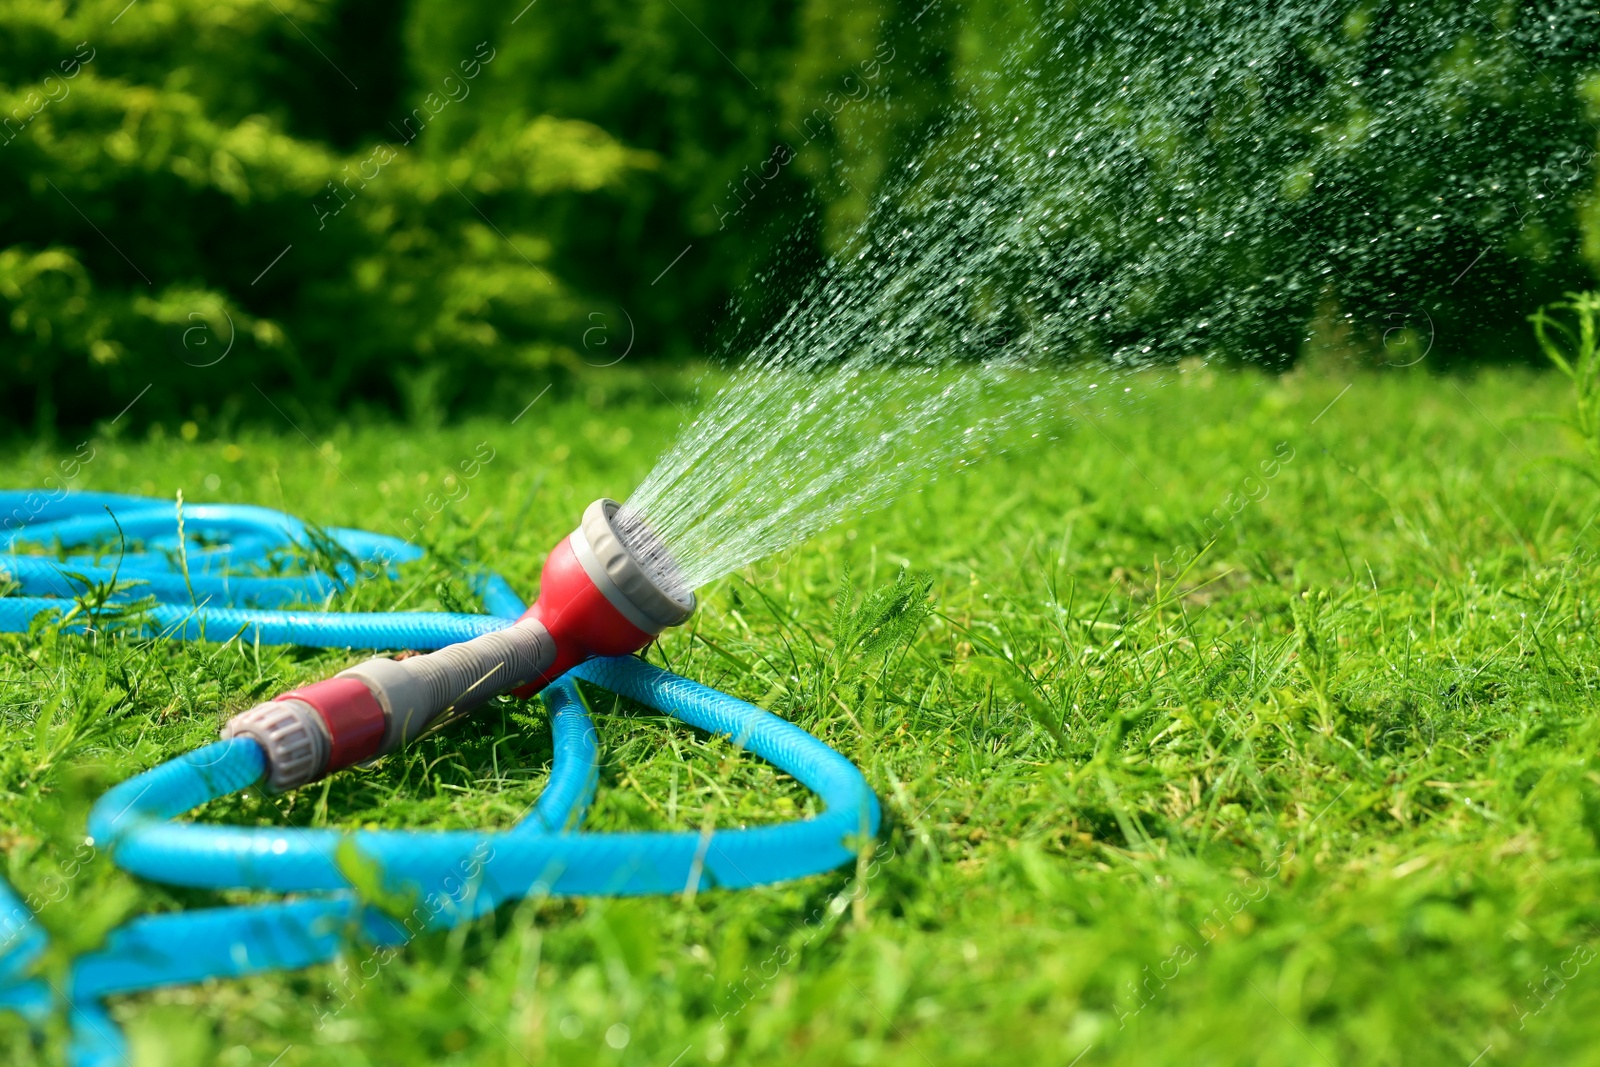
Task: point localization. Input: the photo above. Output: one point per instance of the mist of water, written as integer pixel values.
(1119, 187)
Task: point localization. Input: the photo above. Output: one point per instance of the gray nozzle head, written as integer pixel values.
(632, 566)
(293, 737)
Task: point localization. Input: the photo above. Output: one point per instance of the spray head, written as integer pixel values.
(607, 589)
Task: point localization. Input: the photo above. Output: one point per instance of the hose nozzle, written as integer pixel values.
(597, 597)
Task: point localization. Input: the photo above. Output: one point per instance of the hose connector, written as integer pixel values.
(377, 706)
(291, 734)
(603, 592)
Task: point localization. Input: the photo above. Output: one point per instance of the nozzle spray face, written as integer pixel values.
(600, 594)
(632, 566)
(598, 598)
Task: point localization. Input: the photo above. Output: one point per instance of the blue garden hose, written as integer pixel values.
(452, 876)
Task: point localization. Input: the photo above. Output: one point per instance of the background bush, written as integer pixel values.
(511, 182)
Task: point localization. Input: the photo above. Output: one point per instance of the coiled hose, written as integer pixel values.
(453, 876)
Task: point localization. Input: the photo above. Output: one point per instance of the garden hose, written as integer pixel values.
(596, 605)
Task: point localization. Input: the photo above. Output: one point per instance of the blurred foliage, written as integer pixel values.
(413, 205)
(433, 206)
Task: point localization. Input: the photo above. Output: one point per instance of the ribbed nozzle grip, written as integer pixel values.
(416, 691)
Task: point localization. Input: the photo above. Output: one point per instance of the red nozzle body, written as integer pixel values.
(595, 599)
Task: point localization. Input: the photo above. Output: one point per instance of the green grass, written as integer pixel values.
(1332, 796)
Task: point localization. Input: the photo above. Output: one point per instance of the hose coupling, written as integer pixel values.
(597, 597)
(377, 706)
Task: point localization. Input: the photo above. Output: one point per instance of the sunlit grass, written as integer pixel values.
(1328, 793)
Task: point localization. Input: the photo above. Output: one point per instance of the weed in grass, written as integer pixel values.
(1574, 349)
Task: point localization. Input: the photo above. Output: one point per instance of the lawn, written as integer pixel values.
(1329, 793)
